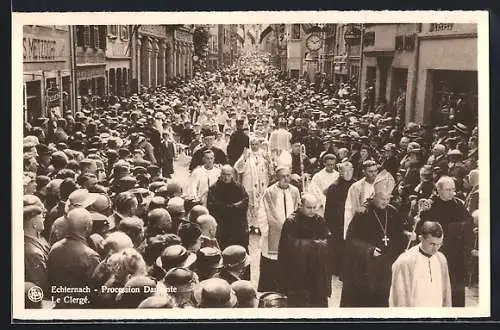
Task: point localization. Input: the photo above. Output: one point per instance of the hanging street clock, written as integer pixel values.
(314, 42)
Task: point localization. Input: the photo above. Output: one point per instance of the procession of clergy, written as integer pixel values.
(389, 209)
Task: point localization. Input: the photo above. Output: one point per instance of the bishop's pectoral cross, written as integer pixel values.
(385, 240)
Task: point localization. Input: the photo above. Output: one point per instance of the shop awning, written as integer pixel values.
(265, 33)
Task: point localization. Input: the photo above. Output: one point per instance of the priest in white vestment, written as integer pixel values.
(203, 177)
(255, 171)
(322, 180)
(279, 201)
(359, 193)
(420, 276)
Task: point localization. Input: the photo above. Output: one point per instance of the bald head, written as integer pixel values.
(174, 189)
(79, 222)
(226, 173)
(116, 242)
(346, 170)
(446, 188)
(208, 225)
(309, 204)
(196, 211)
(159, 222)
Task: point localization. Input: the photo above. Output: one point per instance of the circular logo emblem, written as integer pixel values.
(35, 294)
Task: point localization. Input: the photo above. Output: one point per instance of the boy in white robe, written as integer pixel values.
(203, 177)
(420, 275)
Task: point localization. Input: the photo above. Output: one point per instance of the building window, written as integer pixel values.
(295, 31)
(86, 36)
(95, 33)
(80, 36)
(50, 83)
(124, 33)
(409, 42)
(112, 31)
(369, 38)
(399, 43)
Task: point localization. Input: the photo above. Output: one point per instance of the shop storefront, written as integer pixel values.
(46, 71)
(447, 74)
(91, 80)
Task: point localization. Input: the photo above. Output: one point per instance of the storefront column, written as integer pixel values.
(43, 88)
(161, 63)
(179, 61)
(154, 63)
(146, 63)
(138, 61)
(168, 61)
(410, 94)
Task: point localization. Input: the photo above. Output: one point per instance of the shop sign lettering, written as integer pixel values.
(82, 73)
(36, 49)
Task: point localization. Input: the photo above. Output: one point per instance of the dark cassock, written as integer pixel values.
(237, 143)
(197, 159)
(304, 274)
(454, 218)
(336, 196)
(228, 204)
(366, 277)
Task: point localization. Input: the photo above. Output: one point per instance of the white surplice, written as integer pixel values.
(255, 173)
(428, 284)
(357, 194)
(319, 184)
(200, 180)
(272, 216)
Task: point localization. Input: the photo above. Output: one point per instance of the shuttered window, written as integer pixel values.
(86, 36)
(102, 36)
(95, 32)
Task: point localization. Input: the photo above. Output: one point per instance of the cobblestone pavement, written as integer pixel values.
(181, 174)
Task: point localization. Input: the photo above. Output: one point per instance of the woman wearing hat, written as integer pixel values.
(179, 282)
(215, 293)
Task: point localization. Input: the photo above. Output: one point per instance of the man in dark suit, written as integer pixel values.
(71, 262)
(36, 248)
(237, 143)
(166, 156)
(208, 141)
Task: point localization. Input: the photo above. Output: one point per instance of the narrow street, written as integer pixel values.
(181, 174)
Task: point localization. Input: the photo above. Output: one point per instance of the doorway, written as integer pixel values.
(398, 91)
